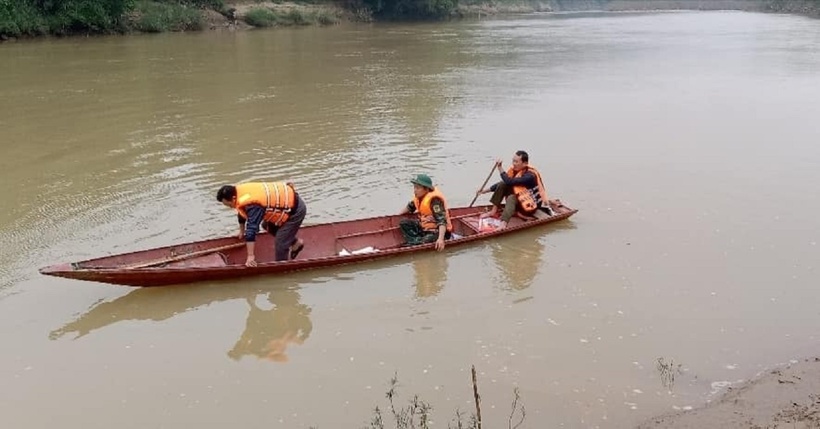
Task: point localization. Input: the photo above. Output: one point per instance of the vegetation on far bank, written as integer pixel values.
(63, 17)
(265, 17)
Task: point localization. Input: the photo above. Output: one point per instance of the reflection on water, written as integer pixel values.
(430, 269)
(273, 325)
(276, 317)
(519, 257)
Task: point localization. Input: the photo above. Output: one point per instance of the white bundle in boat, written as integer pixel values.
(368, 249)
(488, 224)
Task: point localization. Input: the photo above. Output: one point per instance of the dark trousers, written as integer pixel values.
(286, 233)
(413, 233)
(504, 195)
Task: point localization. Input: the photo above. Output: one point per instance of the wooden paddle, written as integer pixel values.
(484, 184)
(183, 257)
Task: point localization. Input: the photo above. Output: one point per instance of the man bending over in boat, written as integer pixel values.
(520, 190)
(274, 205)
(433, 223)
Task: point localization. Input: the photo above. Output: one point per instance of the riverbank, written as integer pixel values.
(29, 20)
(478, 8)
(247, 13)
(158, 16)
(786, 397)
(485, 8)
(255, 14)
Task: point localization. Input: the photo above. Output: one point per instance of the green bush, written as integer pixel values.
(411, 9)
(19, 17)
(264, 17)
(296, 17)
(76, 16)
(325, 17)
(261, 17)
(34, 17)
(210, 4)
(217, 5)
(154, 17)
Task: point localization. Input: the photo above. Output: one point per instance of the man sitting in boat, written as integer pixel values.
(274, 205)
(433, 223)
(520, 190)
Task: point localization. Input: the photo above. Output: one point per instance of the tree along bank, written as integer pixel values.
(27, 18)
(31, 18)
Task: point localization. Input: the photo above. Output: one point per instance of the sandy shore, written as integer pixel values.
(787, 397)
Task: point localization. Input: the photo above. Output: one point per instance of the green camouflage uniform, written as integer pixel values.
(411, 228)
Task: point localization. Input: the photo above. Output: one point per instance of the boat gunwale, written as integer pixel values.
(147, 276)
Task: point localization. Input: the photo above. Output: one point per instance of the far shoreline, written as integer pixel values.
(244, 15)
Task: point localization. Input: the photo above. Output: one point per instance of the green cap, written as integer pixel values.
(423, 180)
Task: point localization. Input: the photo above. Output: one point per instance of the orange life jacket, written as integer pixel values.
(276, 197)
(425, 211)
(529, 198)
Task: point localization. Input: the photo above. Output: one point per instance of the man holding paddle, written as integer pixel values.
(520, 189)
(274, 205)
(433, 223)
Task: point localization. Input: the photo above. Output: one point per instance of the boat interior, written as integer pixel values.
(320, 241)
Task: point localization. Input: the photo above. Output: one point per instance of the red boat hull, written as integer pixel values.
(223, 258)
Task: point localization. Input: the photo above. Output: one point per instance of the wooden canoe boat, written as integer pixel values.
(326, 245)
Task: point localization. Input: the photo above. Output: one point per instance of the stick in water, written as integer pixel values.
(475, 394)
(485, 183)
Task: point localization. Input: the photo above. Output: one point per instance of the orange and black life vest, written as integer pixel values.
(277, 198)
(425, 211)
(529, 198)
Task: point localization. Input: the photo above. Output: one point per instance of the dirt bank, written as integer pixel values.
(473, 8)
(787, 397)
(240, 10)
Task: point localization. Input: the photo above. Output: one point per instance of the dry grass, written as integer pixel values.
(417, 413)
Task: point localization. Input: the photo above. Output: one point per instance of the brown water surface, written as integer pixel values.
(689, 142)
